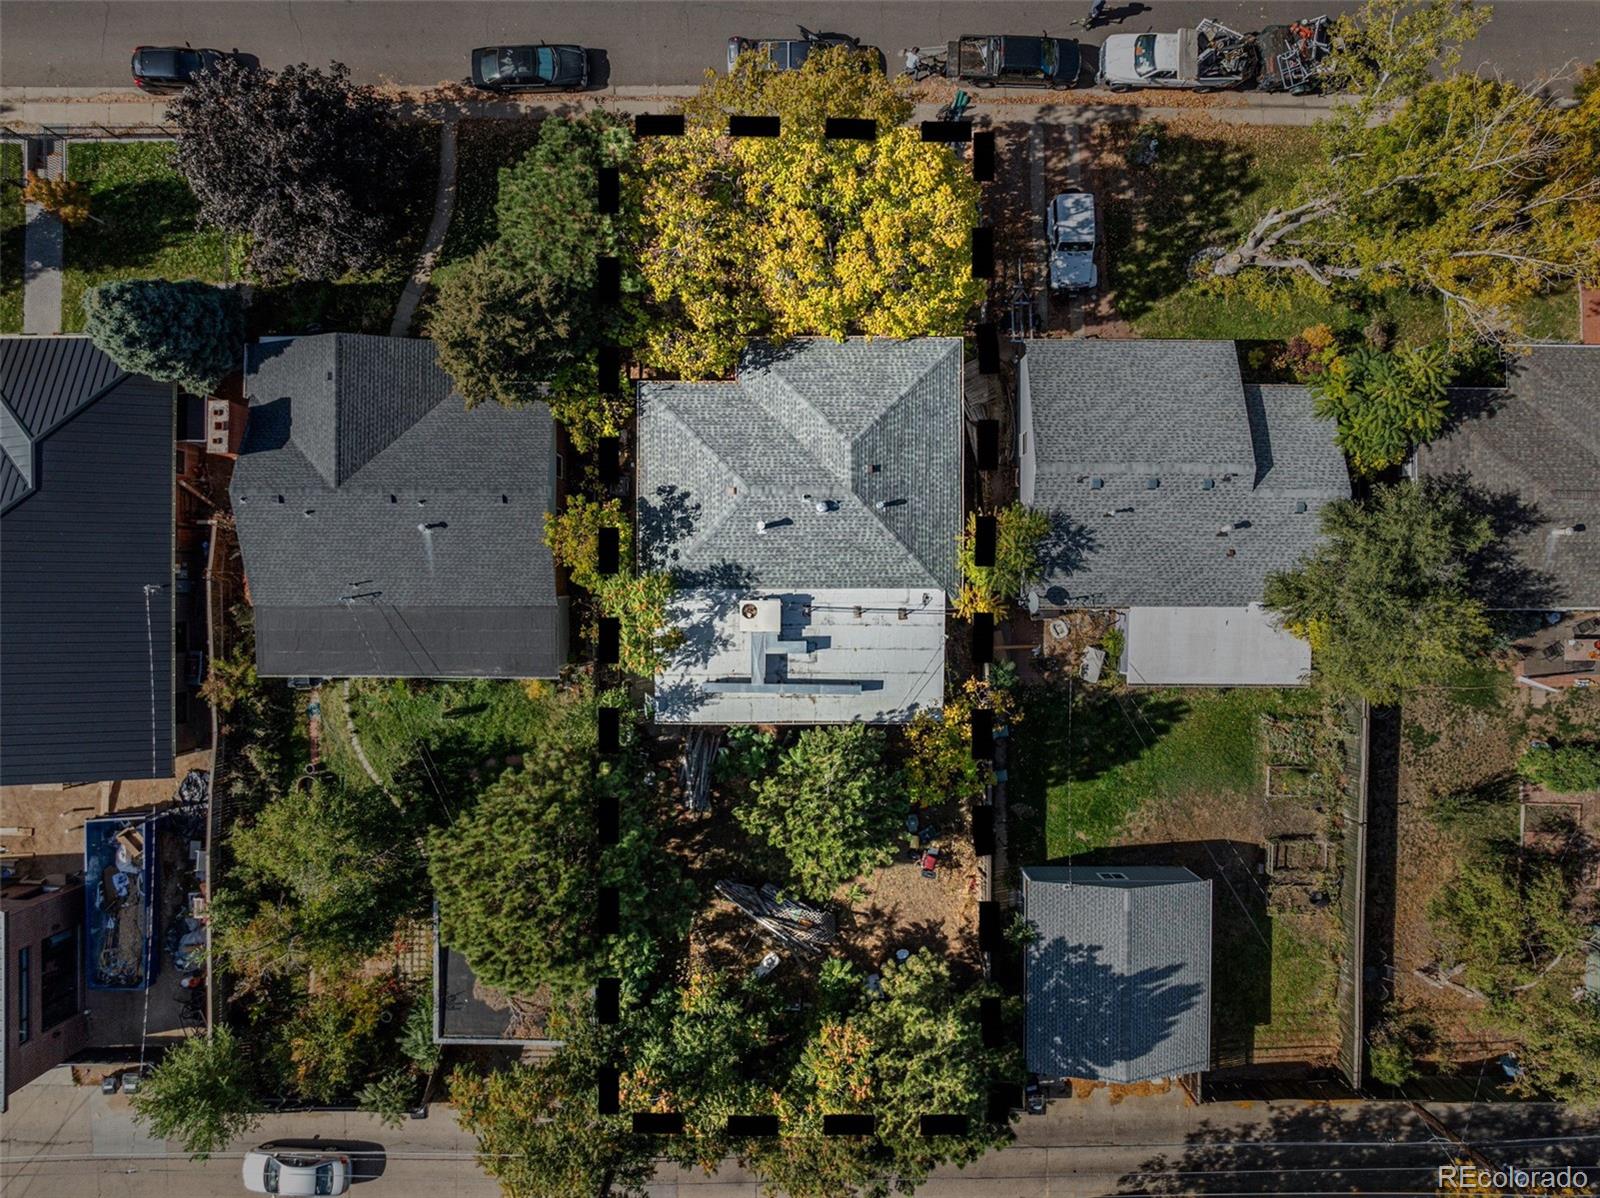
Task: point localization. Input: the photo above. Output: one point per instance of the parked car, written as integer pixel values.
(540, 68)
(993, 60)
(790, 53)
(272, 1170)
(1070, 232)
(162, 70)
(1208, 58)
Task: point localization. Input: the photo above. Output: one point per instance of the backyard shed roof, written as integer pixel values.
(386, 529)
(1537, 441)
(1212, 646)
(86, 535)
(1172, 482)
(1118, 980)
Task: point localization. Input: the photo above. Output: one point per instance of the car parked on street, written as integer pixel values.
(531, 68)
(790, 53)
(1070, 232)
(996, 61)
(273, 1170)
(163, 70)
(1208, 58)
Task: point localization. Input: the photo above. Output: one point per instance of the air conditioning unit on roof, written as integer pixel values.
(761, 615)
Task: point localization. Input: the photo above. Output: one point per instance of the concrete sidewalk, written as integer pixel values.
(43, 245)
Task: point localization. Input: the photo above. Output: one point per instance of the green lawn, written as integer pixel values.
(1131, 749)
(482, 148)
(1279, 995)
(446, 730)
(143, 223)
(12, 219)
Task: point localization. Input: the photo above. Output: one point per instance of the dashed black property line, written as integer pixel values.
(609, 370)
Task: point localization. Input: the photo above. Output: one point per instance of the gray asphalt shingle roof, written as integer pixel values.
(847, 423)
(1145, 450)
(1118, 979)
(363, 476)
(1540, 441)
(86, 526)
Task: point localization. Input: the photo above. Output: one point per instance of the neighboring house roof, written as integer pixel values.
(1118, 978)
(86, 526)
(1539, 441)
(386, 529)
(848, 424)
(1145, 450)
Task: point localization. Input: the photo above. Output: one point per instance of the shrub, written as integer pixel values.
(202, 1094)
(1391, 1053)
(1020, 533)
(333, 1040)
(390, 1097)
(1308, 352)
(65, 199)
(189, 333)
(1565, 769)
(1384, 403)
(573, 535)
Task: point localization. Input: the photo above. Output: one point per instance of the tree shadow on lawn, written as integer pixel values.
(133, 223)
(1168, 211)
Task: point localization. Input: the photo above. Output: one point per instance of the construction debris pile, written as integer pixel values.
(789, 922)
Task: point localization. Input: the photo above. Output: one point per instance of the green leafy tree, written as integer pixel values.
(801, 234)
(939, 761)
(1473, 190)
(1385, 599)
(1384, 403)
(1509, 923)
(517, 876)
(833, 808)
(231, 681)
(188, 333)
(317, 172)
(916, 1050)
(1559, 1026)
(343, 859)
(709, 1049)
(1565, 769)
(641, 605)
(573, 535)
(496, 340)
(1020, 533)
(202, 1094)
(538, 1126)
(416, 1038)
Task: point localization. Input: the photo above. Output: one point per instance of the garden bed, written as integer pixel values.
(143, 223)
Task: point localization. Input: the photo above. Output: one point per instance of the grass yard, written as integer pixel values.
(446, 730)
(143, 223)
(482, 148)
(1132, 752)
(12, 219)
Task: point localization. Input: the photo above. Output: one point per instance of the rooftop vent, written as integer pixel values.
(394, 499)
(278, 498)
(874, 468)
(1112, 877)
(1208, 484)
(1150, 484)
(310, 511)
(421, 502)
(825, 505)
(761, 615)
(904, 614)
(731, 490)
(1232, 553)
(859, 611)
(1096, 484)
(1299, 505)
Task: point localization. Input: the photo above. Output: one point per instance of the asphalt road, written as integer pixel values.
(649, 43)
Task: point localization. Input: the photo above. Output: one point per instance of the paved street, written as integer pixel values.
(655, 42)
(64, 1141)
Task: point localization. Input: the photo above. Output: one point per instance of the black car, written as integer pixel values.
(790, 53)
(164, 69)
(541, 68)
(988, 61)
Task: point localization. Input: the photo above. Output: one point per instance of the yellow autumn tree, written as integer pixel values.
(801, 233)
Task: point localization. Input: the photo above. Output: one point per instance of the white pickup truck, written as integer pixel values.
(1208, 58)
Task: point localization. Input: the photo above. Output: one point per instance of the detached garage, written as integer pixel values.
(1211, 646)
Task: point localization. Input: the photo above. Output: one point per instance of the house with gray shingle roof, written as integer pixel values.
(809, 512)
(1117, 983)
(1536, 442)
(87, 505)
(1175, 489)
(387, 530)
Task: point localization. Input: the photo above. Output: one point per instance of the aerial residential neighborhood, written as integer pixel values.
(799, 599)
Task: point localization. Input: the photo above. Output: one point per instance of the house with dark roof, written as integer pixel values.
(387, 530)
(86, 566)
(1117, 980)
(1534, 447)
(1174, 489)
(809, 512)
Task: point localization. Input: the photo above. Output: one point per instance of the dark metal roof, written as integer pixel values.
(386, 529)
(85, 650)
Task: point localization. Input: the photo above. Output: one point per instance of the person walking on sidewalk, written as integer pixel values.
(1097, 12)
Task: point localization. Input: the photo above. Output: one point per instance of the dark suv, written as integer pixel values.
(161, 70)
(541, 68)
(989, 61)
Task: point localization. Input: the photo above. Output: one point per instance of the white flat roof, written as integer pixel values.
(879, 668)
(1212, 646)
